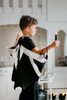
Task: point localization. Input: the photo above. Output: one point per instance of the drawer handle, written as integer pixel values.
(1, 75)
(0, 70)
(5, 70)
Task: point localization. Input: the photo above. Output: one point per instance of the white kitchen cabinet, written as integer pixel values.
(3, 88)
(11, 91)
(7, 91)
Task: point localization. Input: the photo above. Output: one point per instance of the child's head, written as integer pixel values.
(27, 21)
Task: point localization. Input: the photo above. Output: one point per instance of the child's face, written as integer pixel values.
(32, 30)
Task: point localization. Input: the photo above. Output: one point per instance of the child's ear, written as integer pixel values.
(27, 28)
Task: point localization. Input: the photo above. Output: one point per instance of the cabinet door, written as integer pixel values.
(14, 94)
(3, 90)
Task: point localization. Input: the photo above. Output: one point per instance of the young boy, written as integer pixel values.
(28, 26)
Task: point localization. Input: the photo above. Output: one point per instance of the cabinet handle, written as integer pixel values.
(5, 70)
(2, 75)
(0, 70)
(9, 75)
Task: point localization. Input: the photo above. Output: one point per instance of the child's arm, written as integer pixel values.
(44, 50)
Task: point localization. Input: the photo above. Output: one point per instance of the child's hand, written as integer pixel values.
(55, 44)
(19, 35)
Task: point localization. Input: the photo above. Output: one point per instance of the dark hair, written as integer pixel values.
(27, 21)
